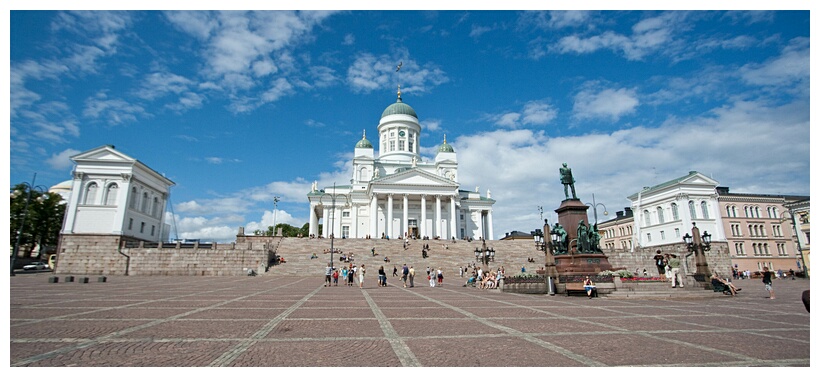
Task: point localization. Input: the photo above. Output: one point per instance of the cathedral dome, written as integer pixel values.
(444, 147)
(399, 108)
(364, 143)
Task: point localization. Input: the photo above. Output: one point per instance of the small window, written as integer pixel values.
(345, 213)
(142, 227)
(153, 227)
(130, 224)
(90, 194)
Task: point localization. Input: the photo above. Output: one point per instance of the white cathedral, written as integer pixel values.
(397, 194)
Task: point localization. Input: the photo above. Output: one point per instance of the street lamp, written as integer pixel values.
(594, 206)
(485, 255)
(29, 187)
(699, 245)
(333, 216)
(275, 201)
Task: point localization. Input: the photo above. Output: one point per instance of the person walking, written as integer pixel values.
(350, 273)
(328, 272)
(431, 277)
(660, 262)
(404, 272)
(361, 276)
(382, 277)
(674, 263)
(395, 270)
(767, 282)
(411, 275)
(440, 276)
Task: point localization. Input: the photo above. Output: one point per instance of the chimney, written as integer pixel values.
(628, 211)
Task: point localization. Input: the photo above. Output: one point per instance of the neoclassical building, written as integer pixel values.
(115, 194)
(396, 193)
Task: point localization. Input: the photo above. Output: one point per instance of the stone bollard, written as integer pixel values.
(53, 279)
(102, 279)
(69, 279)
(84, 280)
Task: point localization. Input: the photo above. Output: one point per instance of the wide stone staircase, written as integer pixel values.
(512, 254)
(660, 290)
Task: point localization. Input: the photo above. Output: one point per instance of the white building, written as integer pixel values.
(114, 194)
(398, 194)
(665, 212)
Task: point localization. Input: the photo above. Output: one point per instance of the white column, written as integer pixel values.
(480, 223)
(326, 222)
(437, 225)
(453, 223)
(404, 227)
(313, 228)
(388, 222)
(374, 217)
(490, 225)
(337, 222)
(423, 225)
(354, 221)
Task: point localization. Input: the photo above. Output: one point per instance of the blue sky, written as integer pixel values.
(239, 107)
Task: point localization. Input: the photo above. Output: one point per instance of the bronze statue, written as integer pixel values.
(583, 238)
(567, 181)
(561, 247)
(595, 239)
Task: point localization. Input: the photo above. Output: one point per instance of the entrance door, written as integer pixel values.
(412, 228)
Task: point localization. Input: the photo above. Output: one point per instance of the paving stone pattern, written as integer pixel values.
(286, 321)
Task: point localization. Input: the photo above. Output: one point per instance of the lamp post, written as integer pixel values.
(547, 247)
(333, 217)
(699, 244)
(594, 206)
(29, 187)
(275, 202)
(485, 255)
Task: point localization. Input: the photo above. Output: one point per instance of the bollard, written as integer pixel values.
(69, 279)
(84, 280)
(53, 279)
(102, 279)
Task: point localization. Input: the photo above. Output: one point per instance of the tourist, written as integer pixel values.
(431, 276)
(361, 276)
(460, 272)
(344, 274)
(351, 271)
(440, 276)
(328, 272)
(674, 263)
(395, 270)
(660, 262)
(767, 282)
(335, 278)
(404, 273)
(412, 275)
(382, 277)
(589, 286)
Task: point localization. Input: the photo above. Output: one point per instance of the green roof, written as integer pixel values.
(364, 143)
(399, 108)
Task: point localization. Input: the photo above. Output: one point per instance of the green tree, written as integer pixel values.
(42, 223)
(287, 230)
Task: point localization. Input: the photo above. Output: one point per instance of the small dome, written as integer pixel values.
(444, 147)
(364, 143)
(399, 108)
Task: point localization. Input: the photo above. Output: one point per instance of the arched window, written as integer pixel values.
(660, 215)
(144, 205)
(746, 211)
(757, 212)
(90, 193)
(155, 207)
(692, 210)
(646, 220)
(111, 194)
(133, 203)
(705, 209)
(675, 212)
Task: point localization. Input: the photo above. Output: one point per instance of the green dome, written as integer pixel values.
(445, 148)
(399, 108)
(364, 143)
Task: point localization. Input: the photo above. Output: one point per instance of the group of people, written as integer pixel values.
(669, 268)
(484, 279)
(347, 273)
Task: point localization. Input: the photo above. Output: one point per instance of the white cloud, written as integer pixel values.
(114, 111)
(792, 66)
(349, 40)
(369, 72)
(606, 103)
(536, 113)
(477, 30)
(62, 161)
(431, 124)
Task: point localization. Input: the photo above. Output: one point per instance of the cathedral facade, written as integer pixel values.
(396, 193)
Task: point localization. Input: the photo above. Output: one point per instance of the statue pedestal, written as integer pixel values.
(581, 264)
(570, 213)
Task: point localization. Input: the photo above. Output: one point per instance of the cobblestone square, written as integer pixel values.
(269, 321)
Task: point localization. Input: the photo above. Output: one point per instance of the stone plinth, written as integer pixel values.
(581, 264)
(570, 213)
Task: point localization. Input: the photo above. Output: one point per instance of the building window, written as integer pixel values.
(692, 210)
(155, 208)
(675, 212)
(90, 193)
(144, 206)
(130, 224)
(134, 197)
(739, 249)
(781, 250)
(142, 227)
(401, 145)
(705, 209)
(410, 145)
(345, 213)
(111, 194)
(663, 235)
(646, 220)
(660, 215)
(152, 229)
(345, 231)
(677, 233)
(649, 237)
(392, 145)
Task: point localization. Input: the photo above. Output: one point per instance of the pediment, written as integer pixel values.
(415, 177)
(104, 153)
(699, 179)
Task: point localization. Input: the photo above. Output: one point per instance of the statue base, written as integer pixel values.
(581, 264)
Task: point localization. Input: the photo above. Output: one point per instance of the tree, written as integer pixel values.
(287, 230)
(43, 221)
